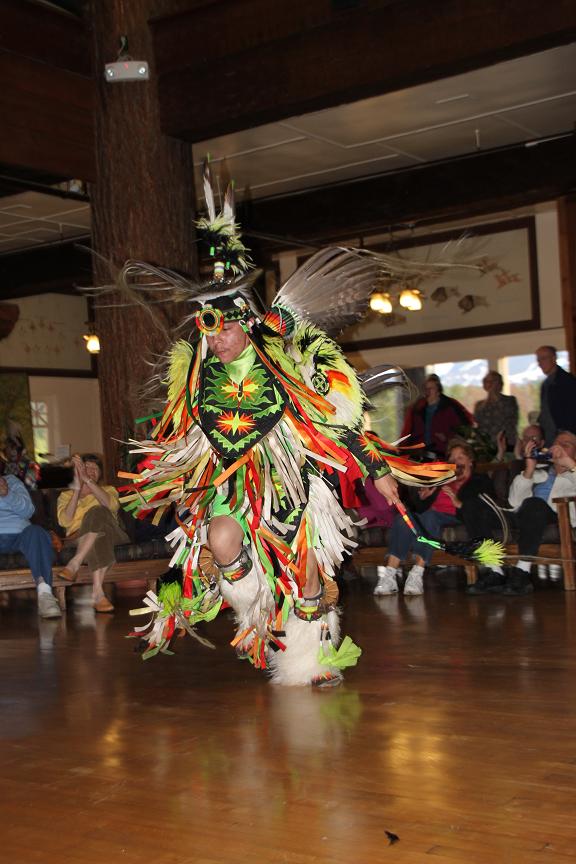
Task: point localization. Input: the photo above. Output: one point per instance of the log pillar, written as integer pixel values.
(142, 208)
(567, 238)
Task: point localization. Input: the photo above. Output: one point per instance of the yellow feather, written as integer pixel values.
(181, 355)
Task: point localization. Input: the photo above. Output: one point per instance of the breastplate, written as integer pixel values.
(234, 417)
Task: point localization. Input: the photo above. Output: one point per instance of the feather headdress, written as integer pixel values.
(222, 232)
(331, 289)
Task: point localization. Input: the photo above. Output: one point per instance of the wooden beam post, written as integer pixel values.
(142, 206)
(475, 184)
(567, 237)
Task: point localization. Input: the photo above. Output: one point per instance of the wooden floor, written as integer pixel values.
(456, 732)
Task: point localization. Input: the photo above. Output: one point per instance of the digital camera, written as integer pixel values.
(541, 455)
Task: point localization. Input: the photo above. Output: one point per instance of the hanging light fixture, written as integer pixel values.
(381, 302)
(409, 298)
(416, 301)
(406, 299)
(92, 342)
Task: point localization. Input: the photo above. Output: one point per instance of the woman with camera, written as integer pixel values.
(532, 495)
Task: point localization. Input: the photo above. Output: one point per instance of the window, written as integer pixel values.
(40, 430)
(463, 380)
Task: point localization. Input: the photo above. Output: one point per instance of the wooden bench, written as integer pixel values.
(126, 571)
(549, 553)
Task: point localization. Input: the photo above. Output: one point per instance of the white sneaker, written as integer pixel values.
(414, 583)
(387, 583)
(48, 606)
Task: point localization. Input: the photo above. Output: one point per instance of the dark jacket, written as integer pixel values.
(449, 415)
(560, 391)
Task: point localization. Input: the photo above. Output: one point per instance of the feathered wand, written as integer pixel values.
(487, 553)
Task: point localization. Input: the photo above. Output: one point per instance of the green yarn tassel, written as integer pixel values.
(490, 553)
(170, 595)
(346, 655)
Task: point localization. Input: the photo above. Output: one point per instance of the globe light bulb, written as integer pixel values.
(406, 299)
(377, 302)
(381, 303)
(386, 304)
(92, 343)
(416, 302)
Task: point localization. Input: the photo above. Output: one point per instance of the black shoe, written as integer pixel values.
(488, 582)
(518, 582)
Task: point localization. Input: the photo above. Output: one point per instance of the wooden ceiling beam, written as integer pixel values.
(52, 269)
(231, 64)
(482, 183)
(46, 94)
(45, 35)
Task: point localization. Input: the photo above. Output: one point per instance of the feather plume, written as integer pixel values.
(333, 286)
(208, 191)
(384, 377)
(229, 208)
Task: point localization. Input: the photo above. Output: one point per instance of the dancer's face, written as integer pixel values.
(229, 343)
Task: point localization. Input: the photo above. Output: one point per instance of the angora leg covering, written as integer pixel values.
(249, 599)
(298, 664)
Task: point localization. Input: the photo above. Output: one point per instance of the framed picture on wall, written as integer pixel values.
(501, 297)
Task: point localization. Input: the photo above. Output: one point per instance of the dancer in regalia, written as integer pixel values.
(263, 415)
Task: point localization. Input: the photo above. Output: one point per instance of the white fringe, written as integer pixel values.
(298, 665)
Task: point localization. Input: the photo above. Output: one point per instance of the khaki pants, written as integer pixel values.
(100, 520)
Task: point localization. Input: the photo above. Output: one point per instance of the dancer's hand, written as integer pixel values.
(388, 488)
(425, 492)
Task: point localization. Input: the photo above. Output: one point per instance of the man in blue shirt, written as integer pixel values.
(17, 534)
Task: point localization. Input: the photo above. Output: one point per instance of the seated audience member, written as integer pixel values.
(88, 513)
(17, 534)
(532, 433)
(446, 505)
(531, 495)
(435, 418)
(18, 464)
(497, 413)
